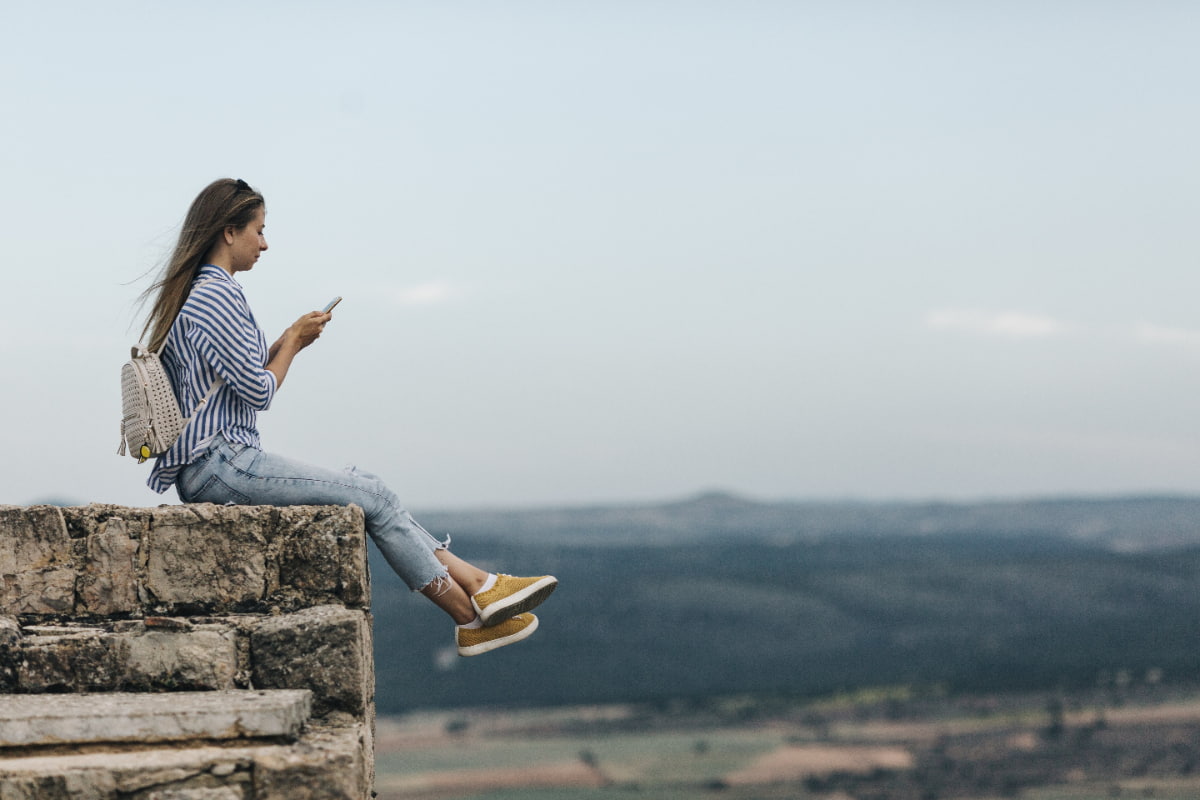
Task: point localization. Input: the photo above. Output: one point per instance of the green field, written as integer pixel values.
(1032, 747)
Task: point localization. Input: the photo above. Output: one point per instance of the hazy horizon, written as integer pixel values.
(724, 495)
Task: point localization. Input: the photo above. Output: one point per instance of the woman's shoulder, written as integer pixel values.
(213, 296)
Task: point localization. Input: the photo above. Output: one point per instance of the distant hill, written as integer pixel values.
(718, 594)
(1125, 524)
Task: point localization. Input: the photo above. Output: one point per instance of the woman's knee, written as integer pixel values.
(373, 486)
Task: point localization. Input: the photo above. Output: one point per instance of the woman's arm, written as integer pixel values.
(298, 336)
(222, 330)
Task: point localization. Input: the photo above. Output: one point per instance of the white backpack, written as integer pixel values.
(150, 417)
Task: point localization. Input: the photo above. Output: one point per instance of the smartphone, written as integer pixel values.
(332, 303)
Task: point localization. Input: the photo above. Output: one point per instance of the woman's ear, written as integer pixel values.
(228, 234)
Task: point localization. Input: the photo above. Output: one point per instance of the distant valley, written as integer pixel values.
(719, 595)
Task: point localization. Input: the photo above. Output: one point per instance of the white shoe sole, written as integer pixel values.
(494, 644)
(527, 599)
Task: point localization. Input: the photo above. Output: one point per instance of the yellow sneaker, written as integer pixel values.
(511, 596)
(476, 641)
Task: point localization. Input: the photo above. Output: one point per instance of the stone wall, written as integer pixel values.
(229, 608)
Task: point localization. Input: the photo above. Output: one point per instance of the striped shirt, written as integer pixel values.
(214, 336)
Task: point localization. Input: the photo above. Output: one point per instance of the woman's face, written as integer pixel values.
(248, 243)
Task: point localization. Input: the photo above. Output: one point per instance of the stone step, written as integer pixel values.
(128, 655)
(78, 719)
(324, 649)
(325, 763)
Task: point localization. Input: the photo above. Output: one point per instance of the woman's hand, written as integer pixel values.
(299, 335)
(308, 328)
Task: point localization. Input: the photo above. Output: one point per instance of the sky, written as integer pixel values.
(617, 251)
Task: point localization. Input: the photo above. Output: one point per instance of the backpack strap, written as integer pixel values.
(216, 384)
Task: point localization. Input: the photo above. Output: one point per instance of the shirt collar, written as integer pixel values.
(210, 271)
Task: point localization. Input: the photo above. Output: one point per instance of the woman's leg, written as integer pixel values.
(467, 575)
(231, 473)
(449, 595)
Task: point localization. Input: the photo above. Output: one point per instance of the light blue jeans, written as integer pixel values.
(235, 474)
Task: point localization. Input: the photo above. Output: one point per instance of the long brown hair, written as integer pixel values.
(224, 203)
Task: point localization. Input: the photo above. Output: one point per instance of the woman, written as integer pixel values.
(211, 343)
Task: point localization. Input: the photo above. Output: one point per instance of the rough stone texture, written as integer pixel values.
(37, 562)
(305, 550)
(219, 793)
(28, 720)
(104, 560)
(225, 566)
(76, 661)
(109, 581)
(324, 763)
(59, 785)
(326, 649)
(10, 637)
(109, 599)
(93, 659)
(290, 774)
(203, 659)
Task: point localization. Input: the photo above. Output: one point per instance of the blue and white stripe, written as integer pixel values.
(214, 336)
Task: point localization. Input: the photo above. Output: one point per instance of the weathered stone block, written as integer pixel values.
(76, 660)
(50, 590)
(322, 551)
(197, 659)
(77, 719)
(217, 793)
(326, 649)
(76, 785)
(219, 562)
(35, 537)
(308, 546)
(93, 659)
(291, 774)
(324, 763)
(10, 653)
(109, 581)
(352, 556)
(104, 560)
(118, 594)
(37, 563)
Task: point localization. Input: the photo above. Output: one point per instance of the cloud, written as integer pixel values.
(426, 294)
(1157, 334)
(1007, 324)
